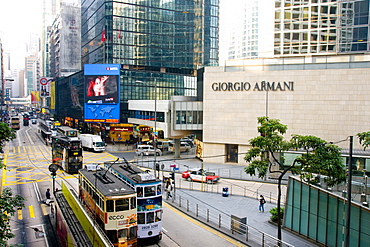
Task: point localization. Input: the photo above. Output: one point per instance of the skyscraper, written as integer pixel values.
(321, 27)
(159, 45)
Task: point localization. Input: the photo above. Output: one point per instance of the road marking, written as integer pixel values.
(221, 235)
(20, 214)
(32, 212)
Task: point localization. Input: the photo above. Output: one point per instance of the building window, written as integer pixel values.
(231, 153)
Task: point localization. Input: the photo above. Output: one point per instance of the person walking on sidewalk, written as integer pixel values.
(47, 201)
(262, 203)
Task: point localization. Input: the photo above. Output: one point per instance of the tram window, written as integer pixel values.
(158, 215)
(110, 205)
(122, 205)
(133, 202)
(112, 235)
(150, 217)
(122, 235)
(149, 191)
(139, 191)
(133, 232)
(141, 218)
(159, 189)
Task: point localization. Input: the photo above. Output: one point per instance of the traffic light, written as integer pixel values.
(172, 175)
(53, 175)
(157, 166)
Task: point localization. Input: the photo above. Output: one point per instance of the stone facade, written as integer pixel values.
(328, 103)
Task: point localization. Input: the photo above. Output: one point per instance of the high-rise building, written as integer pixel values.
(65, 42)
(321, 27)
(30, 72)
(159, 45)
(251, 29)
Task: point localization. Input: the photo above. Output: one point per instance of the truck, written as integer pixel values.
(92, 142)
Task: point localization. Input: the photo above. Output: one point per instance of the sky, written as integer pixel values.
(20, 18)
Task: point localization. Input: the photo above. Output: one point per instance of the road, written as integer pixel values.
(27, 159)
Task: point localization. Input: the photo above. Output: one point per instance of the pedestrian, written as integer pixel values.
(48, 194)
(262, 203)
(168, 190)
(47, 201)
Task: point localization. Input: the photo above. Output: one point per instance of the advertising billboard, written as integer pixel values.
(102, 93)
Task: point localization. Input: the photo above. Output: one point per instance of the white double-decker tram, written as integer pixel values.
(149, 199)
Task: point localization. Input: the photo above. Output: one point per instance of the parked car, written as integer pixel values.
(163, 145)
(200, 175)
(147, 150)
(34, 121)
(188, 141)
(184, 147)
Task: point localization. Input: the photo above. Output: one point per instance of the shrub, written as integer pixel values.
(274, 214)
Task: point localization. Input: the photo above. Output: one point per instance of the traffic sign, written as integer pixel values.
(44, 81)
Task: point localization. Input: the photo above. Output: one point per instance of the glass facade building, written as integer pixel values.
(305, 27)
(159, 44)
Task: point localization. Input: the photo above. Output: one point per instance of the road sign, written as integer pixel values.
(44, 81)
(172, 165)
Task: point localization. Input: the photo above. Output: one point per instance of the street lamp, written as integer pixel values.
(155, 122)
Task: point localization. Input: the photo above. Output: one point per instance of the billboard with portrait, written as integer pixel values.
(101, 89)
(102, 93)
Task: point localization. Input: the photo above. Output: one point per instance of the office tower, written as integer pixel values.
(65, 41)
(156, 42)
(321, 27)
(159, 45)
(251, 28)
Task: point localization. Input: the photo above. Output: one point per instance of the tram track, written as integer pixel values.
(35, 140)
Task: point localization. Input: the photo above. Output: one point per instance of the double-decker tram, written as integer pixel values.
(111, 203)
(149, 198)
(68, 131)
(67, 153)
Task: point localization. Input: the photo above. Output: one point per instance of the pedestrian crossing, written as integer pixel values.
(27, 149)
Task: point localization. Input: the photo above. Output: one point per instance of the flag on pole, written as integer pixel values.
(103, 36)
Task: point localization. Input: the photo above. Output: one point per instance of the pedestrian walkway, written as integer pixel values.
(219, 207)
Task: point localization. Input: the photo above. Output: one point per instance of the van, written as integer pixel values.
(163, 145)
(184, 147)
(142, 150)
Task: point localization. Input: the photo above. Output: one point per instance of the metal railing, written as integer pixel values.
(226, 223)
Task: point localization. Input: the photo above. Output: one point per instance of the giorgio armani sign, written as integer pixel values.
(257, 86)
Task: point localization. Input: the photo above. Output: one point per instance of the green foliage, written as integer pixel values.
(274, 214)
(364, 138)
(6, 134)
(9, 204)
(319, 157)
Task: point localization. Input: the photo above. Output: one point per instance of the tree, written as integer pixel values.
(8, 206)
(6, 134)
(8, 202)
(318, 157)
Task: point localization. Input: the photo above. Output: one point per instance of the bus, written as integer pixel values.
(14, 123)
(68, 131)
(111, 203)
(149, 198)
(67, 153)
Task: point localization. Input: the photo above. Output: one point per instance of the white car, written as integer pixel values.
(184, 147)
(147, 150)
